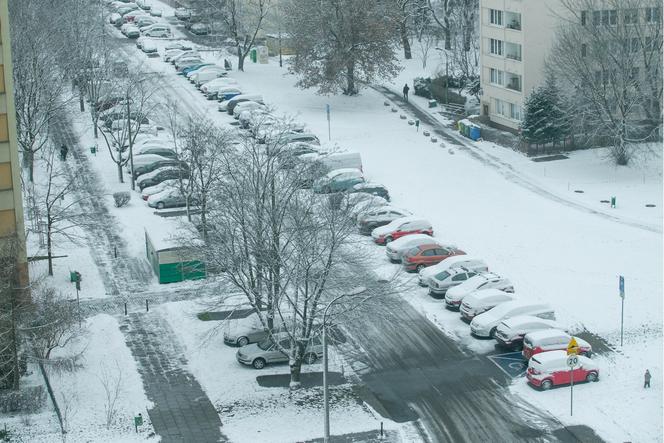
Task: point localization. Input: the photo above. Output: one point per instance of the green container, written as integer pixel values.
(72, 276)
(93, 150)
(252, 55)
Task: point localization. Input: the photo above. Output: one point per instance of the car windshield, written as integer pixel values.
(265, 344)
(442, 275)
(413, 251)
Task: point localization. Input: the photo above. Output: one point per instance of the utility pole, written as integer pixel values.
(131, 150)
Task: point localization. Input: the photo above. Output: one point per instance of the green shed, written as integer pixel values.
(171, 261)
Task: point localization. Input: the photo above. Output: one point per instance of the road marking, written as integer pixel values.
(511, 363)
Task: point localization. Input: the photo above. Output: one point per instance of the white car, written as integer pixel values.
(395, 250)
(212, 87)
(156, 12)
(151, 190)
(466, 261)
(157, 30)
(148, 47)
(481, 301)
(242, 331)
(360, 204)
(486, 324)
(485, 280)
(510, 332)
(442, 282)
(247, 106)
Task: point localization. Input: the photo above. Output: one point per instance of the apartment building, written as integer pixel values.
(11, 203)
(515, 36)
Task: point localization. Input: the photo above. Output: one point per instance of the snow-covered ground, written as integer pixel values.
(250, 412)
(81, 395)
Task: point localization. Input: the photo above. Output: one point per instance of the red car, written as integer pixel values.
(422, 256)
(400, 227)
(548, 340)
(550, 369)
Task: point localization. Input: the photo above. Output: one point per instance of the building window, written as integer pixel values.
(653, 15)
(631, 16)
(513, 51)
(496, 46)
(613, 17)
(515, 112)
(499, 106)
(597, 18)
(496, 76)
(634, 75)
(496, 17)
(584, 49)
(513, 81)
(584, 18)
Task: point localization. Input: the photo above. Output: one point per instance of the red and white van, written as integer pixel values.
(547, 340)
(550, 369)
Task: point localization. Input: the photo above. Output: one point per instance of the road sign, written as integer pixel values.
(572, 347)
(572, 361)
(621, 286)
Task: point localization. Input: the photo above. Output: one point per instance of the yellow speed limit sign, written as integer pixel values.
(572, 347)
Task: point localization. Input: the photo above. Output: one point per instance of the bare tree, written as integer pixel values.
(610, 55)
(111, 380)
(10, 309)
(63, 218)
(341, 44)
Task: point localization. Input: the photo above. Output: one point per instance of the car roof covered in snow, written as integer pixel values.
(515, 322)
(546, 333)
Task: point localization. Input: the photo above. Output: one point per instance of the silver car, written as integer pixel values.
(266, 352)
(444, 280)
(243, 331)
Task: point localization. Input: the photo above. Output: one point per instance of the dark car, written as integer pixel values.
(110, 117)
(160, 175)
(144, 169)
(199, 29)
(379, 217)
(371, 188)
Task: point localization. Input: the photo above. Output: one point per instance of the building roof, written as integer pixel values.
(169, 233)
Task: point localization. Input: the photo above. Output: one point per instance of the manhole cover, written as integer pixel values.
(578, 191)
(650, 205)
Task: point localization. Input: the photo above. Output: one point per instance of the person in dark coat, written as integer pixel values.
(405, 91)
(63, 152)
(646, 379)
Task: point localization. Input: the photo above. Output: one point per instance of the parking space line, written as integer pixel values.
(512, 363)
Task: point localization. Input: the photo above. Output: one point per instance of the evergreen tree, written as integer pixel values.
(341, 43)
(545, 117)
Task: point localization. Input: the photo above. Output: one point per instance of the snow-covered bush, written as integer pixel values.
(121, 199)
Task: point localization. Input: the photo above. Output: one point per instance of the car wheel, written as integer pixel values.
(310, 358)
(242, 341)
(160, 205)
(419, 268)
(592, 376)
(492, 333)
(388, 240)
(259, 363)
(546, 385)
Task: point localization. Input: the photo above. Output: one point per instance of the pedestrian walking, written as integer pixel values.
(646, 379)
(63, 152)
(405, 91)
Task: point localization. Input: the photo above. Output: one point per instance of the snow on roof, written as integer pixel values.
(171, 233)
(482, 294)
(546, 333)
(545, 357)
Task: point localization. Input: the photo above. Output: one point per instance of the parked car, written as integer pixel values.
(130, 17)
(550, 369)
(151, 190)
(125, 9)
(163, 151)
(312, 139)
(157, 30)
(397, 248)
(480, 301)
(183, 14)
(151, 166)
(203, 76)
(466, 261)
(183, 45)
(144, 21)
(144, 159)
(441, 282)
(149, 47)
(211, 88)
(143, 4)
(378, 217)
(548, 340)
(371, 188)
(401, 227)
(169, 198)
(195, 68)
(186, 62)
(130, 31)
(184, 54)
(266, 352)
(160, 175)
(485, 280)
(156, 12)
(243, 331)
(171, 53)
(200, 29)
(423, 256)
(230, 105)
(485, 325)
(510, 332)
(338, 180)
(361, 204)
(114, 18)
(247, 106)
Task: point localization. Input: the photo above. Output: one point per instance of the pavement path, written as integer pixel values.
(182, 411)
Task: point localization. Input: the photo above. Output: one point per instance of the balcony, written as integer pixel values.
(513, 81)
(513, 21)
(513, 51)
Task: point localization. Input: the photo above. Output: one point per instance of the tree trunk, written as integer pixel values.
(404, 40)
(31, 166)
(240, 59)
(120, 171)
(81, 102)
(296, 369)
(350, 79)
(49, 247)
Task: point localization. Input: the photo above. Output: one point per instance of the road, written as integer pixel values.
(412, 371)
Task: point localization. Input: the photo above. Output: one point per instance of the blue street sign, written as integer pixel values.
(621, 286)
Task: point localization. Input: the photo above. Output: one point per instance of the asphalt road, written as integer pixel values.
(410, 370)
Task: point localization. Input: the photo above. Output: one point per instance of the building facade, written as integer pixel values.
(11, 200)
(515, 36)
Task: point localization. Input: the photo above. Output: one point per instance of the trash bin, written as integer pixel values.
(474, 132)
(460, 125)
(252, 55)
